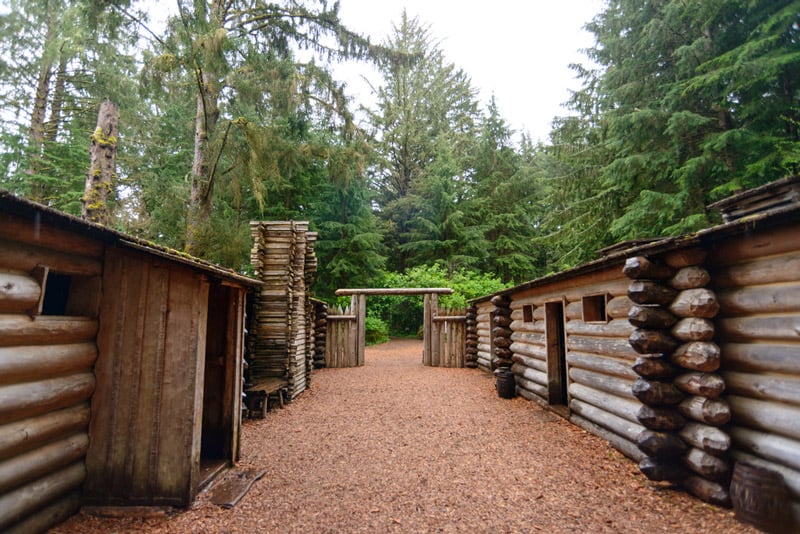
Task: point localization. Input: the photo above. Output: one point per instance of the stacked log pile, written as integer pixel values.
(280, 336)
(471, 356)
(680, 391)
(484, 332)
(320, 331)
(46, 377)
(501, 332)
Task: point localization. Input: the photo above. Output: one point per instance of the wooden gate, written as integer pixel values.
(444, 342)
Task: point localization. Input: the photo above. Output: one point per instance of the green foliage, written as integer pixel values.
(376, 331)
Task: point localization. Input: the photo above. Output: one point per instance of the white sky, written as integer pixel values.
(518, 49)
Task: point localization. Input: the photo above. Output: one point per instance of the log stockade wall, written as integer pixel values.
(46, 378)
(483, 331)
(448, 331)
(282, 340)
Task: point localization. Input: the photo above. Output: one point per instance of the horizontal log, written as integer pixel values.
(701, 384)
(761, 357)
(708, 491)
(684, 257)
(616, 328)
(27, 434)
(693, 329)
(501, 301)
(615, 347)
(639, 267)
(574, 311)
(656, 392)
(26, 499)
(707, 465)
(695, 303)
(45, 330)
(661, 418)
(715, 412)
(618, 307)
(27, 257)
(627, 408)
(772, 417)
(626, 447)
(775, 298)
(395, 291)
(655, 367)
(538, 313)
(18, 292)
(651, 317)
(779, 388)
(530, 390)
(499, 320)
(601, 364)
(608, 383)
(623, 427)
(697, 355)
(772, 328)
(23, 364)
(27, 399)
(49, 237)
(779, 449)
(660, 444)
(663, 469)
(691, 277)
(761, 271)
(651, 341)
(533, 363)
(528, 373)
(50, 516)
(649, 292)
(31, 465)
(527, 328)
(706, 437)
(528, 338)
(534, 351)
(790, 476)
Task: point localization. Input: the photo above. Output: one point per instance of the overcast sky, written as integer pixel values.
(518, 49)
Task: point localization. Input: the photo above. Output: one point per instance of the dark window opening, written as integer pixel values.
(527, 313)
(56, 294)
(594, 309)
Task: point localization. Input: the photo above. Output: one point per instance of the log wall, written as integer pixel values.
(757, 280)
(46, 378)
(483, 331)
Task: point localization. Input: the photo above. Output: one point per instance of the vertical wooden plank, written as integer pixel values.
(361, 314)
(199, 333)
(435, 348)
(426, 329)
(240, 298)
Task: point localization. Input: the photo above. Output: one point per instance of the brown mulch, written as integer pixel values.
(399, 447)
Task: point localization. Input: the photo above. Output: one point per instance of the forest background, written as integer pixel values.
(230, 113)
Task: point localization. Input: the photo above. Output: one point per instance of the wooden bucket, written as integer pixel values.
(506, 383)
(760, 497)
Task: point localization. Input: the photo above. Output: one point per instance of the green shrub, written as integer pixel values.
(377, 331)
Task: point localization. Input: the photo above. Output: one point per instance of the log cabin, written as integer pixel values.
(683, 353)
(120, 368)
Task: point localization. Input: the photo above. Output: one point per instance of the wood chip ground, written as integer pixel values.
(398, 447)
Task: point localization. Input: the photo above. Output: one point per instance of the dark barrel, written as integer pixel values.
(760, 497)
(506, 385)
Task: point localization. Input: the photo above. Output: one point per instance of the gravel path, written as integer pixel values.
(398, 447)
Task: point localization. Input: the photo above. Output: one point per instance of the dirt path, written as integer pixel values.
(398, 447)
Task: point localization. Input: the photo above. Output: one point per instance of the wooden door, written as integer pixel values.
(556, 353)
(344, 339)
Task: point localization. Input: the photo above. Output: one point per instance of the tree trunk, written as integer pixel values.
(101, 171)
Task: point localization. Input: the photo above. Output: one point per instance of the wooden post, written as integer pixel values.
(435, 337)
(361, 318)
(427, 324)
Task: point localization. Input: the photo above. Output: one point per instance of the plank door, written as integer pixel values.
(556, 353)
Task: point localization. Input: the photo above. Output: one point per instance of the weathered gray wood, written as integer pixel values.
(530, 374)
(531, 390)
(18, 292)
(708, 491)
(650, 316)
(790, 476)
(623, 427)
(780, 449)
(615, 347)
(574, 311)
(50, 516)
(18, 330)
(38, 462)
(651, 341)
(655, 367)
(28, 498)
(661, 418)
(766, 328)
(660, 444)
(706, 437)
(693, 329)
(27, 434)
(626, 408)
(22, 364)
(773, 298)
(761, 357)
(695, 303)
(649, 292)
(715, 412)
(616, 328)
(656, 393)
(763, 270)
(618, 307)
(621, 444)
(640, 267)
(395, 291)
(701, 384)
(47, 237)
(529, 338)
(28, 399)
(608, 383)
(534, 351)
(691, 277)
(782, 388)
(707, 465)
(697, 355)
(666, 469)
(772, 417)
(27, 257)
(533, 363)
(601, 364)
